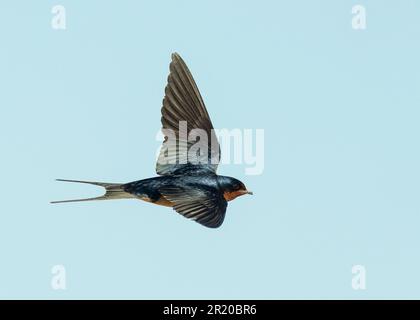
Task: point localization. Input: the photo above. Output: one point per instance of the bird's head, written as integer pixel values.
(232, 188)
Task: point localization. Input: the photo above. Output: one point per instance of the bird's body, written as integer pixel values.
(148, 189)
(187, 180)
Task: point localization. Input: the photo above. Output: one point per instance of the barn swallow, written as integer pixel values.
(192, 188)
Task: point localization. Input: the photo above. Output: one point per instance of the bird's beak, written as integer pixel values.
(250, 193)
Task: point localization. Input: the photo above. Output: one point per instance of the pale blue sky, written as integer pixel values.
(340, 109)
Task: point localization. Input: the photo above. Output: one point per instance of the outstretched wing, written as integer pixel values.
(184, 110)
(203, 206)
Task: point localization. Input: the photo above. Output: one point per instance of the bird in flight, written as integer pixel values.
(187, 180)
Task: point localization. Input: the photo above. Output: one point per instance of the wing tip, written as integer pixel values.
(175, 56)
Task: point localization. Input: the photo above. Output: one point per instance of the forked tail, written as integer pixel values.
(112, 191)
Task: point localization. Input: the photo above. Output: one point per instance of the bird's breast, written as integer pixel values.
(162, 201)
